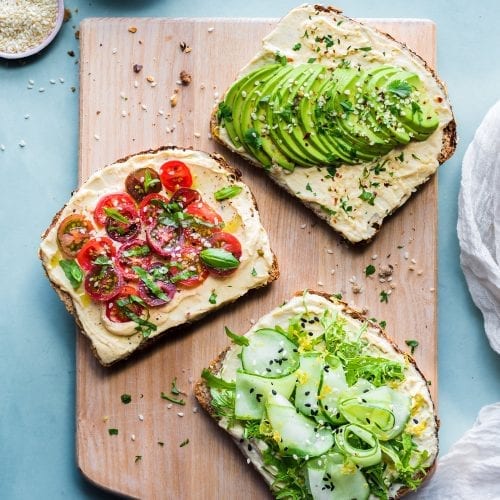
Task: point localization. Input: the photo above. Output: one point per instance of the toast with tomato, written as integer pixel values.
(323, 403)
(152, 242)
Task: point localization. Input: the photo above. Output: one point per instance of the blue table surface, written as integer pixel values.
(37, 341)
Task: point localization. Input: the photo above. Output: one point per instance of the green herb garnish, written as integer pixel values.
(253, 272)
(227, 192)
(383, 323)
(369, 270)
(173, 400)
(280, 58)
(215, 382)
(311, 60)
(368, 196)
(252, 138)
(213, 298)
(114, 214)
(102, 260)
(143, 325)
(237, 339)
(126, 398)
(184, 443)
(297, 46)
(384, 296)
(72, 271)
(113, 432)
(149, 180)
(399, 88)
(140, 251)
(148, 280)
(219, 258)
(224, 113)
(412, 344)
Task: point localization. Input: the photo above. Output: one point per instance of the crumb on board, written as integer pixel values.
(185, 78)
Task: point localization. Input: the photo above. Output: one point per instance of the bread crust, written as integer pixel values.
(204, 397)
(68, 301)
(448, 144)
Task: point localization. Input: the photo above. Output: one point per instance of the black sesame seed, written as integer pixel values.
(251, 390)
(415, 421)
(250, 447)
(308, 405)
(307, 393)
(274, 392)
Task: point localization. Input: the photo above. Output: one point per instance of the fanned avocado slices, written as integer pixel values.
(306, 115)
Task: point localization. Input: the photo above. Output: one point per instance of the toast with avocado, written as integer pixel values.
(323, 403)
(342, 116)
(153, 242)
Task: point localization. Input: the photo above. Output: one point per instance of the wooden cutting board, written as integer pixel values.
(121, 113)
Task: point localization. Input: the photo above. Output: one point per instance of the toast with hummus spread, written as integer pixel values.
(323, 404)
(342, 116)
(152, 242)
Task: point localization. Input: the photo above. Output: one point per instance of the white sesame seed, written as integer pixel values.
(123, 95)
(432, 290)
(26, 116)
(29, 87)
(136, 84)
(96, 137)
(330, 251)
(180, 414)
(31, 82)
(52, 81)
(114, 51)
(248, 461)
(209, 136)
(195, 410)
(161, 112)
(22, 143)
(216, 95)
(406, 255)
(154, 84)
(144, 107)
(41, 89)
(141, 417)
(374, 256)
(169, 405)
(61, 79)
(303, 226)
(210, 30)
(420, 272)
(381, 280)
(124, 113)
(320, 283)
(2, 147)
(197, 135)
(332, 271)
(132, 437)
(413, 261)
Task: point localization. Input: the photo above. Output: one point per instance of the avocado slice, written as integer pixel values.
(237, 101)
(281, 116)
(256, 117)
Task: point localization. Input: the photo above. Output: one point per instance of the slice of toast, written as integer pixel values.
(352, 192)
(115, 335)
(320, 326)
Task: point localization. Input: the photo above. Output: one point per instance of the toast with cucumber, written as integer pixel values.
(342, 116)
(323, 403)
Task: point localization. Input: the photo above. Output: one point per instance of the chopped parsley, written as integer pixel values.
(177, 401)
(400, 88)
(113, 432)
(382, 323)
(280, 58)
(311, 60)
(213, 298)
(412, 344)
(384, 296)
(308, 187)
(140, 251)
(253, 272)
(365, 49)
(253, 139)
(369, 270)
(224, 113)
(126, 398)
(114, 214)
(368, 196)
(184, 443)
(175, 390)
(149, 180)
(297, 46)
(138, 458)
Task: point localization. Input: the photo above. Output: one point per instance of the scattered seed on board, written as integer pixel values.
(96, 137)
(22, 143)
(2, 147)
(210, 30)
(180, 414)
(141, 417)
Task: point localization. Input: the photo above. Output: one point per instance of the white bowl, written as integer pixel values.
(44, 42)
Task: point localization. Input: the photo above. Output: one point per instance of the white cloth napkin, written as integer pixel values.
(478, 229)
(471, 469)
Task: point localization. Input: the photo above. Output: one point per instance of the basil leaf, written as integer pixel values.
(114, 214)
(143, 325)
(184, 275)
(219, 258)
(147, 279)
(140, 251)
(149, 180)
(102, 260)
(72, 271)
(237, 339)
(227, 192)
(215, 382)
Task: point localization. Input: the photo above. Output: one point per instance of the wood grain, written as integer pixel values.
(310, 255)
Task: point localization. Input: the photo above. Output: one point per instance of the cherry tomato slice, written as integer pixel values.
(229, 243)
(96, 247)
(124, 226)
(205, 212)
(162, 239)
(150, 207)
(73, 232)
(187, 262)
(175, 174)
(117, 201)
(117, 313)
(185, 196)
(161, 281)
(102, 283)
(133, 253)
(142, 182)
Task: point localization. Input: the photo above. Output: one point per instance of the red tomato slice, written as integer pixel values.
(102, 283)
(96, 247)
(229, 243)
(187, 261)
(133, 253)
(124, 226)
(148, 210)
(162, 283)
(73, 232)
(205, 212)
(162, 239)
(117, 201)
(175, 174)
(185, 196)
(116, 313)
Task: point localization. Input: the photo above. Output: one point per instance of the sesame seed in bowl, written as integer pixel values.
(28, 26)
